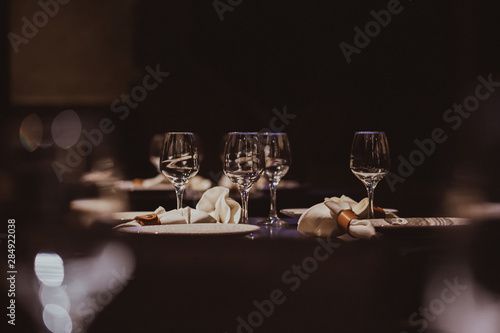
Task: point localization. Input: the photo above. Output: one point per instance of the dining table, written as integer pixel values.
(274, 279)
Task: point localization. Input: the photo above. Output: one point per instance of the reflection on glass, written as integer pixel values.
(179, 160)
(278, 160)
(243, 164)
(370, 161)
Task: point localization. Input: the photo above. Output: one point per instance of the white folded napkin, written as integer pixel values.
(318, 221)
(357, 228)
(217, 203)
(214, 206)
(185, 215)
(321, 219)
(359, 208)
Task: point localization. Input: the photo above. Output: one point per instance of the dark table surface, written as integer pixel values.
(279, 281)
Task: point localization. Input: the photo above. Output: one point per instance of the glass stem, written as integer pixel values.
(244, 206)
(179, 193)
(369, 189)
(272, 213)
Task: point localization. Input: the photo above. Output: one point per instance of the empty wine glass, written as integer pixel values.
(278, 160)
(179, 160)
(243, 164)
(370, 161)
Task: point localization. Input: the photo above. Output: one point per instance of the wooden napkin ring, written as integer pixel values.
(378, 212)
(149, 219)
(344, 218)
(137, 181)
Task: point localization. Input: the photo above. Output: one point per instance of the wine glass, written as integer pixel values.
(278, 160)
(179, 160)
(370, 161)
(243, 164)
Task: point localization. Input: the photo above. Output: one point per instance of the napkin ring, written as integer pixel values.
(149, 219)
(344, 219)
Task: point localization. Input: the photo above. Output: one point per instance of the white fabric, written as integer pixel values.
(214, 206)
(318, 221)
(182, 216)
(321, 219)
(361, 229)
(359, 208)
(217, 203)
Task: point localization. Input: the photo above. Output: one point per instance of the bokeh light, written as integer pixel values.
(57, 319)
(66, 129)
(54, 295)
(49, 269)
(31, 132)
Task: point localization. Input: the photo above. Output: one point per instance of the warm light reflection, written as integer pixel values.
(54, 295)
(66, 129)
(454, 302)
(57, 319)
(49, 269)
(94, 282)
(31, 132)
(88, 211)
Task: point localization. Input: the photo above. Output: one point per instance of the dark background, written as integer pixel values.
(229, 75)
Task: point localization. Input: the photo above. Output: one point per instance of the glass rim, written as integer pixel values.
(369, 132)
(243, 133)
(272, 133)
(189, 133)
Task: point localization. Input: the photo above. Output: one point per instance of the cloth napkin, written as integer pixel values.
(321, 219)
(214, 206)
(217, 203)
(182, 216)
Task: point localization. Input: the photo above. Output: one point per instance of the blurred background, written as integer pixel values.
(238, 67)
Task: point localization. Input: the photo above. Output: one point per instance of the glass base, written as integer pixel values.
(273, 221)
(252, 236)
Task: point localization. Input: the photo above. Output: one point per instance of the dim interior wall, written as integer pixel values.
(79, 52)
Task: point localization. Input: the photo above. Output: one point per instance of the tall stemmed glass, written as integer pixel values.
(370, 161)
(243, 164)
(278, 160)
(179, 160)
